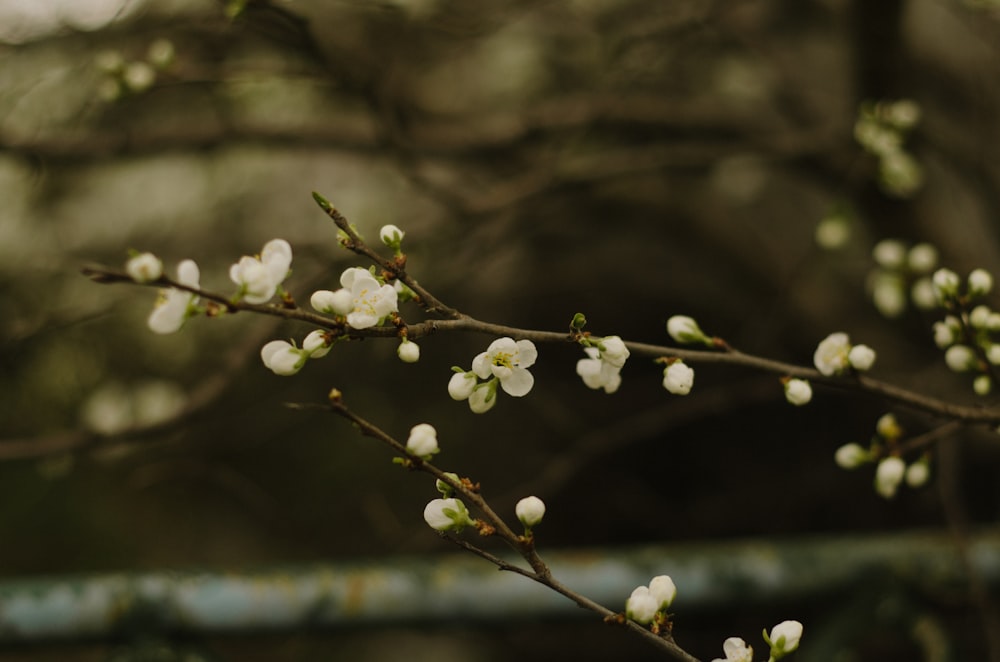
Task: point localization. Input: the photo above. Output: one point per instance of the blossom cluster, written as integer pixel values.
(891, 470)
(966, 334)
(835, 355)
(783, 639)
(881, 129)
(124, 76)
(504, 364)
(902, 274)
(647, 602)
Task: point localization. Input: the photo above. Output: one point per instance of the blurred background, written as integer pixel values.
(629, 159)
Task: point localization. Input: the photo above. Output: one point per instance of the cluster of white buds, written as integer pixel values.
(132, 76)
(605, 359)
(902, 274)
(284, 358)
(505, 364)
(967, 333)
(363, 299)
(891, 470)
(646, 602)
(881, 129)
(835, 355)
(783, 639)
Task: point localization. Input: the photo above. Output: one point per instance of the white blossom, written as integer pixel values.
(371, 302)
(831, 356)
(888, 475)
(408, 351)
(851, 456)
(259, 277)
(736, 650)
(982, 385)
(530, 511)
(447, 515)
(508, 361)
(174, 306)
(597, 373)
(422, 441)
(144, 268)
(678, 378)
(641, 606)
(784, 638)
(798, 391)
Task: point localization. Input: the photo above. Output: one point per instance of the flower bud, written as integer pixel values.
(391, 235)
(408, 352)
(663, 590)
(784, 638)
(923, 295)
(798, 391)
(861, 357)
(316, 344)
(444, 488)
(530, 511)
(685, 330)
(944, 335)
(338, 303)
(678, 378)
(483, 397)
(960, 358)
(888, 476)
(980, 283)
(982, 385)
(461, 385)
(888, 427)
(423, 441)
(945, 282)
(282, 358)
(922, 258)
(447, 515)
(890, 253)
(918, 473)
(613, 351)
(851, 456)
(641, 606)
(144, 268)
